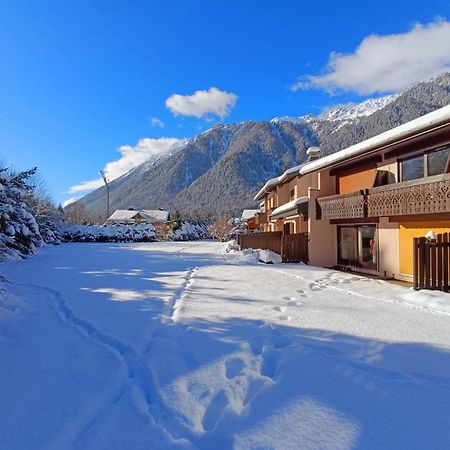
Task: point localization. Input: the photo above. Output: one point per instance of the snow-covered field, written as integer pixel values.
(176, 345)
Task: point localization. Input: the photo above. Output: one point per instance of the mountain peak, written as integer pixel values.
(347, 112)
(222, 168)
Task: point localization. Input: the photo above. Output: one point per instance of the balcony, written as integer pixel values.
(429, 195)
(343, 206)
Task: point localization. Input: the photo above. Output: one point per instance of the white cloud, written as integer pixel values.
(157, 122)
(386, 63)
(85, 186)
(69, 201)
(201, 103)
(131, 157)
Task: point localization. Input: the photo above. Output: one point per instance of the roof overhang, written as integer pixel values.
(422, 124)
(292, 208)
(285, 177)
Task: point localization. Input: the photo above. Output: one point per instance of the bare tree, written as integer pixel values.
(220, 228)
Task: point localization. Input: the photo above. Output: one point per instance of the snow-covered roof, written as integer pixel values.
(288, 207)
(423, 123)
(292, 172)
(151, 215)
(415, 126)
(123, 214)
(249, 213)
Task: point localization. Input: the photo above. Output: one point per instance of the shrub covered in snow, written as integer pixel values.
(232, 245)
(269, 257)
(110, 233)
(189, 231)
(250, 255)
(19, 231)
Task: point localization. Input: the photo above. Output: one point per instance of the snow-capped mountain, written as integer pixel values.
(221, 169)
(347, 112)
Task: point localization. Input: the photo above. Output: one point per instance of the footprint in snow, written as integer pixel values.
(279, 308)
(293, 302)
(317, 286)
(256, 344)
(254, 388)
(214, 411)
(234, 367)
(281, 341)
(270, 364)
(285, 318)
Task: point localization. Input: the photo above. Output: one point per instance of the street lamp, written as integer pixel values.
(107, 192)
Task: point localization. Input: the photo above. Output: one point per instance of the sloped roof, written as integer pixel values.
(249, 213)
(123, 214)
(155, 214)
(152, 215)
(421, 124)
(289, 208)
(283, 178)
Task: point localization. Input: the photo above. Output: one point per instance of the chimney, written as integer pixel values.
(313, 153)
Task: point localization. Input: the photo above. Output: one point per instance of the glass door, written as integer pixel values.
(347, 245)
(367, 246)
(357, 246)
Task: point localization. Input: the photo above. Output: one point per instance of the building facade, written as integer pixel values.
(363, 205)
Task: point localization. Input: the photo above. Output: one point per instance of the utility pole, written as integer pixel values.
(107, 192)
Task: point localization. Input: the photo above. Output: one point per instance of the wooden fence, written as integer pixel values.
(291, 247)
(431, 263)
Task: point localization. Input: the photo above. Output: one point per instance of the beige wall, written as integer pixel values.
(322, 235)
(283, 194)
(388, 248)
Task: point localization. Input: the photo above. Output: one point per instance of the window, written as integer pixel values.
(427, 165)
(292, 194)
(412, 168)
(437, 161)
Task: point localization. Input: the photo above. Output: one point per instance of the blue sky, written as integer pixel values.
(81, 79)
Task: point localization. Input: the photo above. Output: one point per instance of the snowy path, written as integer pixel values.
(175, 346)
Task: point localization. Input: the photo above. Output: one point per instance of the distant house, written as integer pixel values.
(249, 216)
(132, 216)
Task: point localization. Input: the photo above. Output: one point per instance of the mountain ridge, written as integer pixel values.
(221, 169)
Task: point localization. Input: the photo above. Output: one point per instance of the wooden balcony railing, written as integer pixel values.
(429, 195)
(344, 206)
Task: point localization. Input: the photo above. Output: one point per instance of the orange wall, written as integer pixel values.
(356, 181)
(410, 230)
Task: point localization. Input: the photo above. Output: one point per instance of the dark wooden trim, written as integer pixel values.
(415, 263)
(356, 221)
(356, 166)
(438, 138)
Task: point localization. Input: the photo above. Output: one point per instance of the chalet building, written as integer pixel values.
(250, 217)
(132, 216)
(363, 205)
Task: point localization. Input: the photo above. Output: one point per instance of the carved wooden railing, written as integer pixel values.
(423, 196)
(343, 206)
(429, 195)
